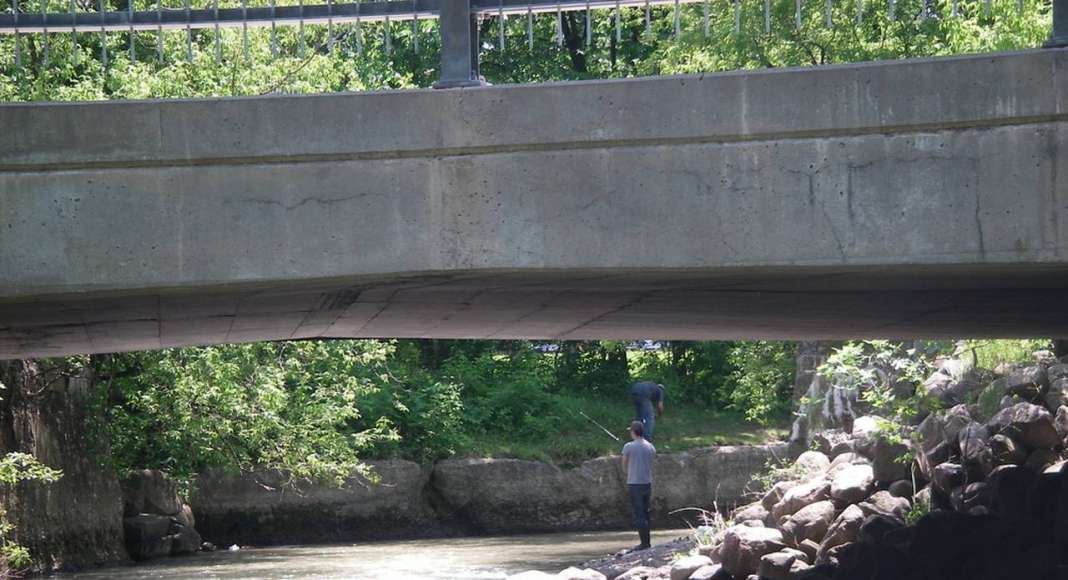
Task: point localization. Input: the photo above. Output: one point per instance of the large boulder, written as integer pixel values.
(809, 523)
(1040, 459)
(810, 549)
(833, 442)
(710, 572)
(1060, 422)
(844, 460)
(1058, 394)
(776, 493)
(975, 495)
(876, 527)
(581, 574)
(185, 540)
(148, 536)
(682, 568)
(954, 380)
(931, 432)
(842, 531)
(1056, 372)
(150, 491)
(926, 461)
(1029, 383)
(887, 464)
(975, 451)
(955, 419)
(744, 546)
(902, 488)
(812, 464)
(635, 573)
(1005, 451)
(865, 430)
(852, 484)
(1028, 424)
(751, 512)
(947, 476)
(776, 566)
(883, 503)
(798, 497)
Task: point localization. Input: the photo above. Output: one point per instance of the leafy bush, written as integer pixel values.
(990, 354)
(762, 379)
(293, 406)
(507, 393)
(887, 376)
(693, 372)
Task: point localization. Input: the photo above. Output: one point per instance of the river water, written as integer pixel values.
(443, 559)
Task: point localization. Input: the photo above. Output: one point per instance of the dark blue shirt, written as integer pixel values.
(647, 390)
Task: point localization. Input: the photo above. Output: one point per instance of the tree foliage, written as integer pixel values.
(358, 59)
(317, 408)
(762, 376)
(287, 405)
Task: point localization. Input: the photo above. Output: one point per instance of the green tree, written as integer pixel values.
(293, 406)
(762, 378)
(359, 59)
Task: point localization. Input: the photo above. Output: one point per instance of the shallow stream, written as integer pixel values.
(443, 559)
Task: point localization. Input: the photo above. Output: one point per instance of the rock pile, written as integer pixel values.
(974, 491)
(157, 522)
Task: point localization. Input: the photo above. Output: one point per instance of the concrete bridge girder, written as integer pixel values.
(886, 199)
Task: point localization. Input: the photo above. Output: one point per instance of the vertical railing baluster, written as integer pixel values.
(73, 33)
(1059, 36)
(218, 38)
(44, 37)
(18, 39)
(103, 36)
(458, 26)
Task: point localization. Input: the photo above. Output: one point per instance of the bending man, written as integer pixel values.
(638, 457)
(645, 395)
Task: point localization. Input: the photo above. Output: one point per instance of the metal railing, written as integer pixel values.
(458, 21)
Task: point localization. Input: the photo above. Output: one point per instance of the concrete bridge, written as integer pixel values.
(912, 198)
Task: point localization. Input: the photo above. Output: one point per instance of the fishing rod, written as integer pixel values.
(590, 419)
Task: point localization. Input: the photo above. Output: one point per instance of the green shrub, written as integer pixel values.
(990, 354)
(762, 378)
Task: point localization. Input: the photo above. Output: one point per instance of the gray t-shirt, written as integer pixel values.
(640, 455)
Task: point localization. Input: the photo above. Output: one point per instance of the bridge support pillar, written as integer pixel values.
(1059, 37)
(459, 46)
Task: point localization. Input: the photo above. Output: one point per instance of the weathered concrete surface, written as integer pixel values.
(264, 508)
(509, 495)
(886, 199)
(74, 522)
(470, 496)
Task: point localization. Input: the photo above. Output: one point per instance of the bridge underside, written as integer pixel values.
(943, 302)
(920, 198)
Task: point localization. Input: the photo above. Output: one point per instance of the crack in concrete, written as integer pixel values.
(327, 201)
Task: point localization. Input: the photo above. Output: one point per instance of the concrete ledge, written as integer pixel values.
(840, 100)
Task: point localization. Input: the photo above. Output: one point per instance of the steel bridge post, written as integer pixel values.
(459, 45)
(1059, 37)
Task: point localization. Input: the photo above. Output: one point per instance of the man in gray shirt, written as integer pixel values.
(638, 457)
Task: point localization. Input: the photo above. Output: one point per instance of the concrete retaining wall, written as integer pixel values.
(468, 496)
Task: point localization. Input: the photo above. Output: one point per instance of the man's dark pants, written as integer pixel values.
(643, 411)
(640, 494)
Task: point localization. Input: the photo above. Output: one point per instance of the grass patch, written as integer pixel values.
(577, 439)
